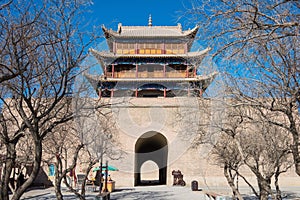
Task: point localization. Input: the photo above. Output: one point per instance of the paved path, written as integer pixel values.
(136, 193)
(162, 192)
(157, 193)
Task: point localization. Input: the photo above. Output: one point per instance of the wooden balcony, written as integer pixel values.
(145, 74)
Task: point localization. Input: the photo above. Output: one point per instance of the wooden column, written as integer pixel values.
(187, 71)
(164, 70)
(136, 92)
(165, 92)
(136, 71)
(113, 71)
(136, 48)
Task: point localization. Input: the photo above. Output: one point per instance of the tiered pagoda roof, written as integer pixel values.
(145, 58)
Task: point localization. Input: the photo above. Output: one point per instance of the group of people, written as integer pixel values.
(103, 180)
(99, 179)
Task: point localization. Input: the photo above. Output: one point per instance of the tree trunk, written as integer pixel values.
(296, 141)
(58, 176)
(264, 188)
(297, 166)
(230, 181)
(278, 192)
(296, 153)
(58, 193)
(61, 174)
(36, 167)
(8, 166)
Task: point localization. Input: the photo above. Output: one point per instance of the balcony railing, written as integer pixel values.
(145, 74)
(150, 51)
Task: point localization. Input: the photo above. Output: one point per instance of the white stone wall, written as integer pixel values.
(178, 119)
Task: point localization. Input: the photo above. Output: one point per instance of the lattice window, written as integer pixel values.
(150, 48)
(125, 48)
(175, 48)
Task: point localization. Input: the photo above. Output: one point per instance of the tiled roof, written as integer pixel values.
(150, 31)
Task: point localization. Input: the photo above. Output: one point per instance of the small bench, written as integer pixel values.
(91, 188)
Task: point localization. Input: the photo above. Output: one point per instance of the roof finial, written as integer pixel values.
(150, 20)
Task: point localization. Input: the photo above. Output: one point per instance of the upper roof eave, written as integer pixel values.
(204, 79)
(148, 32)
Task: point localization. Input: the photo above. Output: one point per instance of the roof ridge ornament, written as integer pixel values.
(150, 20)
(119, 28)
(180, 27)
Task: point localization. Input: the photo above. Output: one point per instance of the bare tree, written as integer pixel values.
(228, 157)
(86, 140)
(62, 148)
(248, 140)
(257, 44)
(42, 46)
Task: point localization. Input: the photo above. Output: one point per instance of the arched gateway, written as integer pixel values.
(151, 146)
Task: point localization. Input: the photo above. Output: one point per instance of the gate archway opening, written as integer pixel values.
(151, 146)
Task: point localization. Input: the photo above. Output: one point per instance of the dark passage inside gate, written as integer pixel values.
(151, 146)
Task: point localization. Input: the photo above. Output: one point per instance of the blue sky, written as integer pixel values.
(136, 12)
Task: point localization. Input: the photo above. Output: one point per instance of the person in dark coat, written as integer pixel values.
(20, 180)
